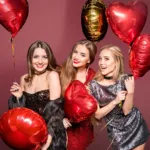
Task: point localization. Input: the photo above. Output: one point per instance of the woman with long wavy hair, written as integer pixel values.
(76, 70)
(37, 91)
(114, 91)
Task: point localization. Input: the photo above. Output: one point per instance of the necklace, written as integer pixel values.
(39, 73)
(108, 78)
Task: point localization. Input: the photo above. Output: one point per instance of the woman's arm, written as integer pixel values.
(101, 112)
(55, 101)
(48, 142)
(128, 103)
(53, 112)
(54, 85)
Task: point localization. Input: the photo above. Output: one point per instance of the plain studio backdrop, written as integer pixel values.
(58, 22)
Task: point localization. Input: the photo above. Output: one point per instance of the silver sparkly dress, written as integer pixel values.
(125, 131)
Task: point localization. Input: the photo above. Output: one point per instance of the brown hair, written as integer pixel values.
(52, 65)
(118, 57)
(68, 72)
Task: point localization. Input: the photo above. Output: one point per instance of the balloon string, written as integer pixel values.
(13, 54)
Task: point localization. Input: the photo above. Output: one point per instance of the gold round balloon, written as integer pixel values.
(93, 20)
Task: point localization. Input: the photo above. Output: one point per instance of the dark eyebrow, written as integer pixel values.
(83, 53)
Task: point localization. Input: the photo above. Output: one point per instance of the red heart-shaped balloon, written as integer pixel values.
(79, 104)
(13, 15)
(23, 129)
(139, 58)
(127, 20)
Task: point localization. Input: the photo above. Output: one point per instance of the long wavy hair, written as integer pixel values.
(118, 58)
(52, 64)
(68, 72)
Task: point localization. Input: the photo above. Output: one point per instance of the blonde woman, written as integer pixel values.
(114, 92)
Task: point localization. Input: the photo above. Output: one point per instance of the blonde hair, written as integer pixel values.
(118, 58)
(68, 72)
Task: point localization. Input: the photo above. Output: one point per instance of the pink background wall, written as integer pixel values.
(58, 23)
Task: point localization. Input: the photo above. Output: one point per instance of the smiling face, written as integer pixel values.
(39, 60)
(80, 56)
(107, 63)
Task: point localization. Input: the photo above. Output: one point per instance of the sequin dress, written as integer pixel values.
(81, 134)
(125, 131)
(50, 110)
(37, 101)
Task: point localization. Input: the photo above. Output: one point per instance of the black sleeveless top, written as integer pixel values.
(37, 101)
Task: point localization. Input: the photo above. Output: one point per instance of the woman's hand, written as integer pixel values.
(16, 90)
(48, 142)
(66, 123)
(130, 84)
(120, 97)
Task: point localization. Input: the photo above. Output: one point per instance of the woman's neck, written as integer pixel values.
(81, 74)
(40, 73)
(81, 70)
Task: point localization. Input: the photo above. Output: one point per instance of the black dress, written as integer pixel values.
(125, 131)
(50, 110)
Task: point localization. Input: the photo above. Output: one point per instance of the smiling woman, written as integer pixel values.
(37, 91)
(79, 106)
(39, 60)
(126, 127)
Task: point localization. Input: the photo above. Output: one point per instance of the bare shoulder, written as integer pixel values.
(22, 81)
(54, 84)
(23, 77)
(52, 75)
